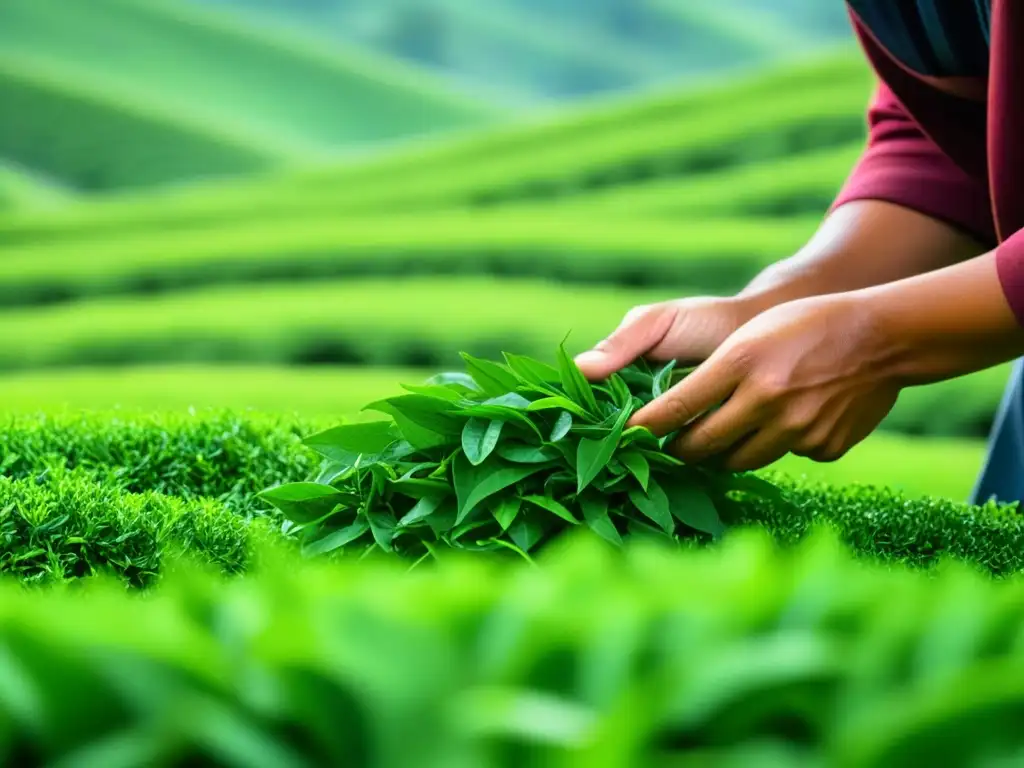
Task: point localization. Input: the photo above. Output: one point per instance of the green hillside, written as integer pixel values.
(21, 191)
(624, 143)
(277, 88)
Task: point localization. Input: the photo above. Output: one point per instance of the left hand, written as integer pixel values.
(808, 377)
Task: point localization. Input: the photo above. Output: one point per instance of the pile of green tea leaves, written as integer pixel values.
(506, 456)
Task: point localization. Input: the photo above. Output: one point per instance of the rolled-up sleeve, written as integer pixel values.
(902, 165)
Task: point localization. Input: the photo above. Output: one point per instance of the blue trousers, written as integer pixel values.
(1002, 474)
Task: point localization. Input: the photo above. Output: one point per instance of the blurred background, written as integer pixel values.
(295, 205)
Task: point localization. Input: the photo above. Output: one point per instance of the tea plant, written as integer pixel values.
(506, 455)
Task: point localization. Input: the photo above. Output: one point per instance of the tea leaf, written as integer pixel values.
(553, 506)
(691, 504)
(509, 400)
(336, 539)
(564, 403)
(642, 436)
(418, 437)
(525, 532)
(506, 511)
(451, 394)
(474, 484)
(593, 455)
(339, 443)
(423, 509)
(382, 526)
(533, 372)
(492, 378)
(654, 504)
(662, 378)
(620, 391)
(417, 487)
(595, 513)
(562, 426)
(479, 439)
(574, 382)
(528, 454)
(501, 413)
(305, 502)
(455, 380)
(428, 412)
(637, 465)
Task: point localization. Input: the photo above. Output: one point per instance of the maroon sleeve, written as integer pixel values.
(1010, 266)
(902, 165)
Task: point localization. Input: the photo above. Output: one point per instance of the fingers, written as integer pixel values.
(764, 447)
(642, 329)
(717, 431)
(710, 384)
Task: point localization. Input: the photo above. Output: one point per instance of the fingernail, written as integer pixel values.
(590, 357)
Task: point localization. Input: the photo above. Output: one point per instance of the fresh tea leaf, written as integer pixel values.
(564, 403)
(306, 502)
(574, 382)
(382, 526)
(474, 484)
(456, 380)
(493, 379)
(593, 455)
(620, 391)
(662, 379)
(595, 513)
(451, 394)
(690, 504)
(528, 454)
(428, 412)
(336, 539)
(525, 532)
(553, 506)
(562, 426)
(506, 511)
(654, 504)
(533, 373)
(637, 465)
(423, 509)
(479, 438)
(419, 437)
(418, 487)
(339, 443)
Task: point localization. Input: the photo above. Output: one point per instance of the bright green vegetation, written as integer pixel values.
(768, 657)
(153, 145)
(621, 143)
(283, 90)
(716, 256)
(21, 191)
(506, 455)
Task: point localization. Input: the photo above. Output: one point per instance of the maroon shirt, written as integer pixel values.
(953, 148)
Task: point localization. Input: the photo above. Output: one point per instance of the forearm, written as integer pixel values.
(860, 245)
(947, 323)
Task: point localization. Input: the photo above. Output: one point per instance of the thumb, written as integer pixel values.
(642, 329)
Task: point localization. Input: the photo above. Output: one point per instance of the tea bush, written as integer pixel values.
(737, 656)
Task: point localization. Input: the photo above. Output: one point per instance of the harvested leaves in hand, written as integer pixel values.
(506, 456)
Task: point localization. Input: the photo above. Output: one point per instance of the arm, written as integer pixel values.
(906, 209)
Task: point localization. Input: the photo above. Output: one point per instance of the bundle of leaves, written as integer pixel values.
(506, 456)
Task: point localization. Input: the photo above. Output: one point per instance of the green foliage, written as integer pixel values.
(505, 456)
(216, 456)
(742, 655)
(285, 90)
(57, 525)
(153, 146)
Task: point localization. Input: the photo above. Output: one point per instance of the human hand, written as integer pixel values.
(687, 330)
(808, 377)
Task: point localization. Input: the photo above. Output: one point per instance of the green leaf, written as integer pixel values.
(595, 513)
(642, 436)
(336, 539)
(340, 443)
(637, 465)
(382, 526)
(593, 455)
(451, 394)
(494, 379)
(418, 487)
(691, 504)
(533, 372)
(428, 412)
(662, 379)
(660, 459)
(414, 435)
(528, 454)
(564, 403)
(525, 532)
(654, 504)
(574, 382)
(456, 380)
(506, 511)
(306, 502)
(620, 392)
(509, 400)
(474, 484)
(423, 509)
(479, 439)
(552, 506)
(562, 426)
(501, 413)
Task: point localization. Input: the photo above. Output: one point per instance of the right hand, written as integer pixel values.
(686, 330)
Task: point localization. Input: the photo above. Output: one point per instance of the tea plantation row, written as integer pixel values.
(745, 655)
